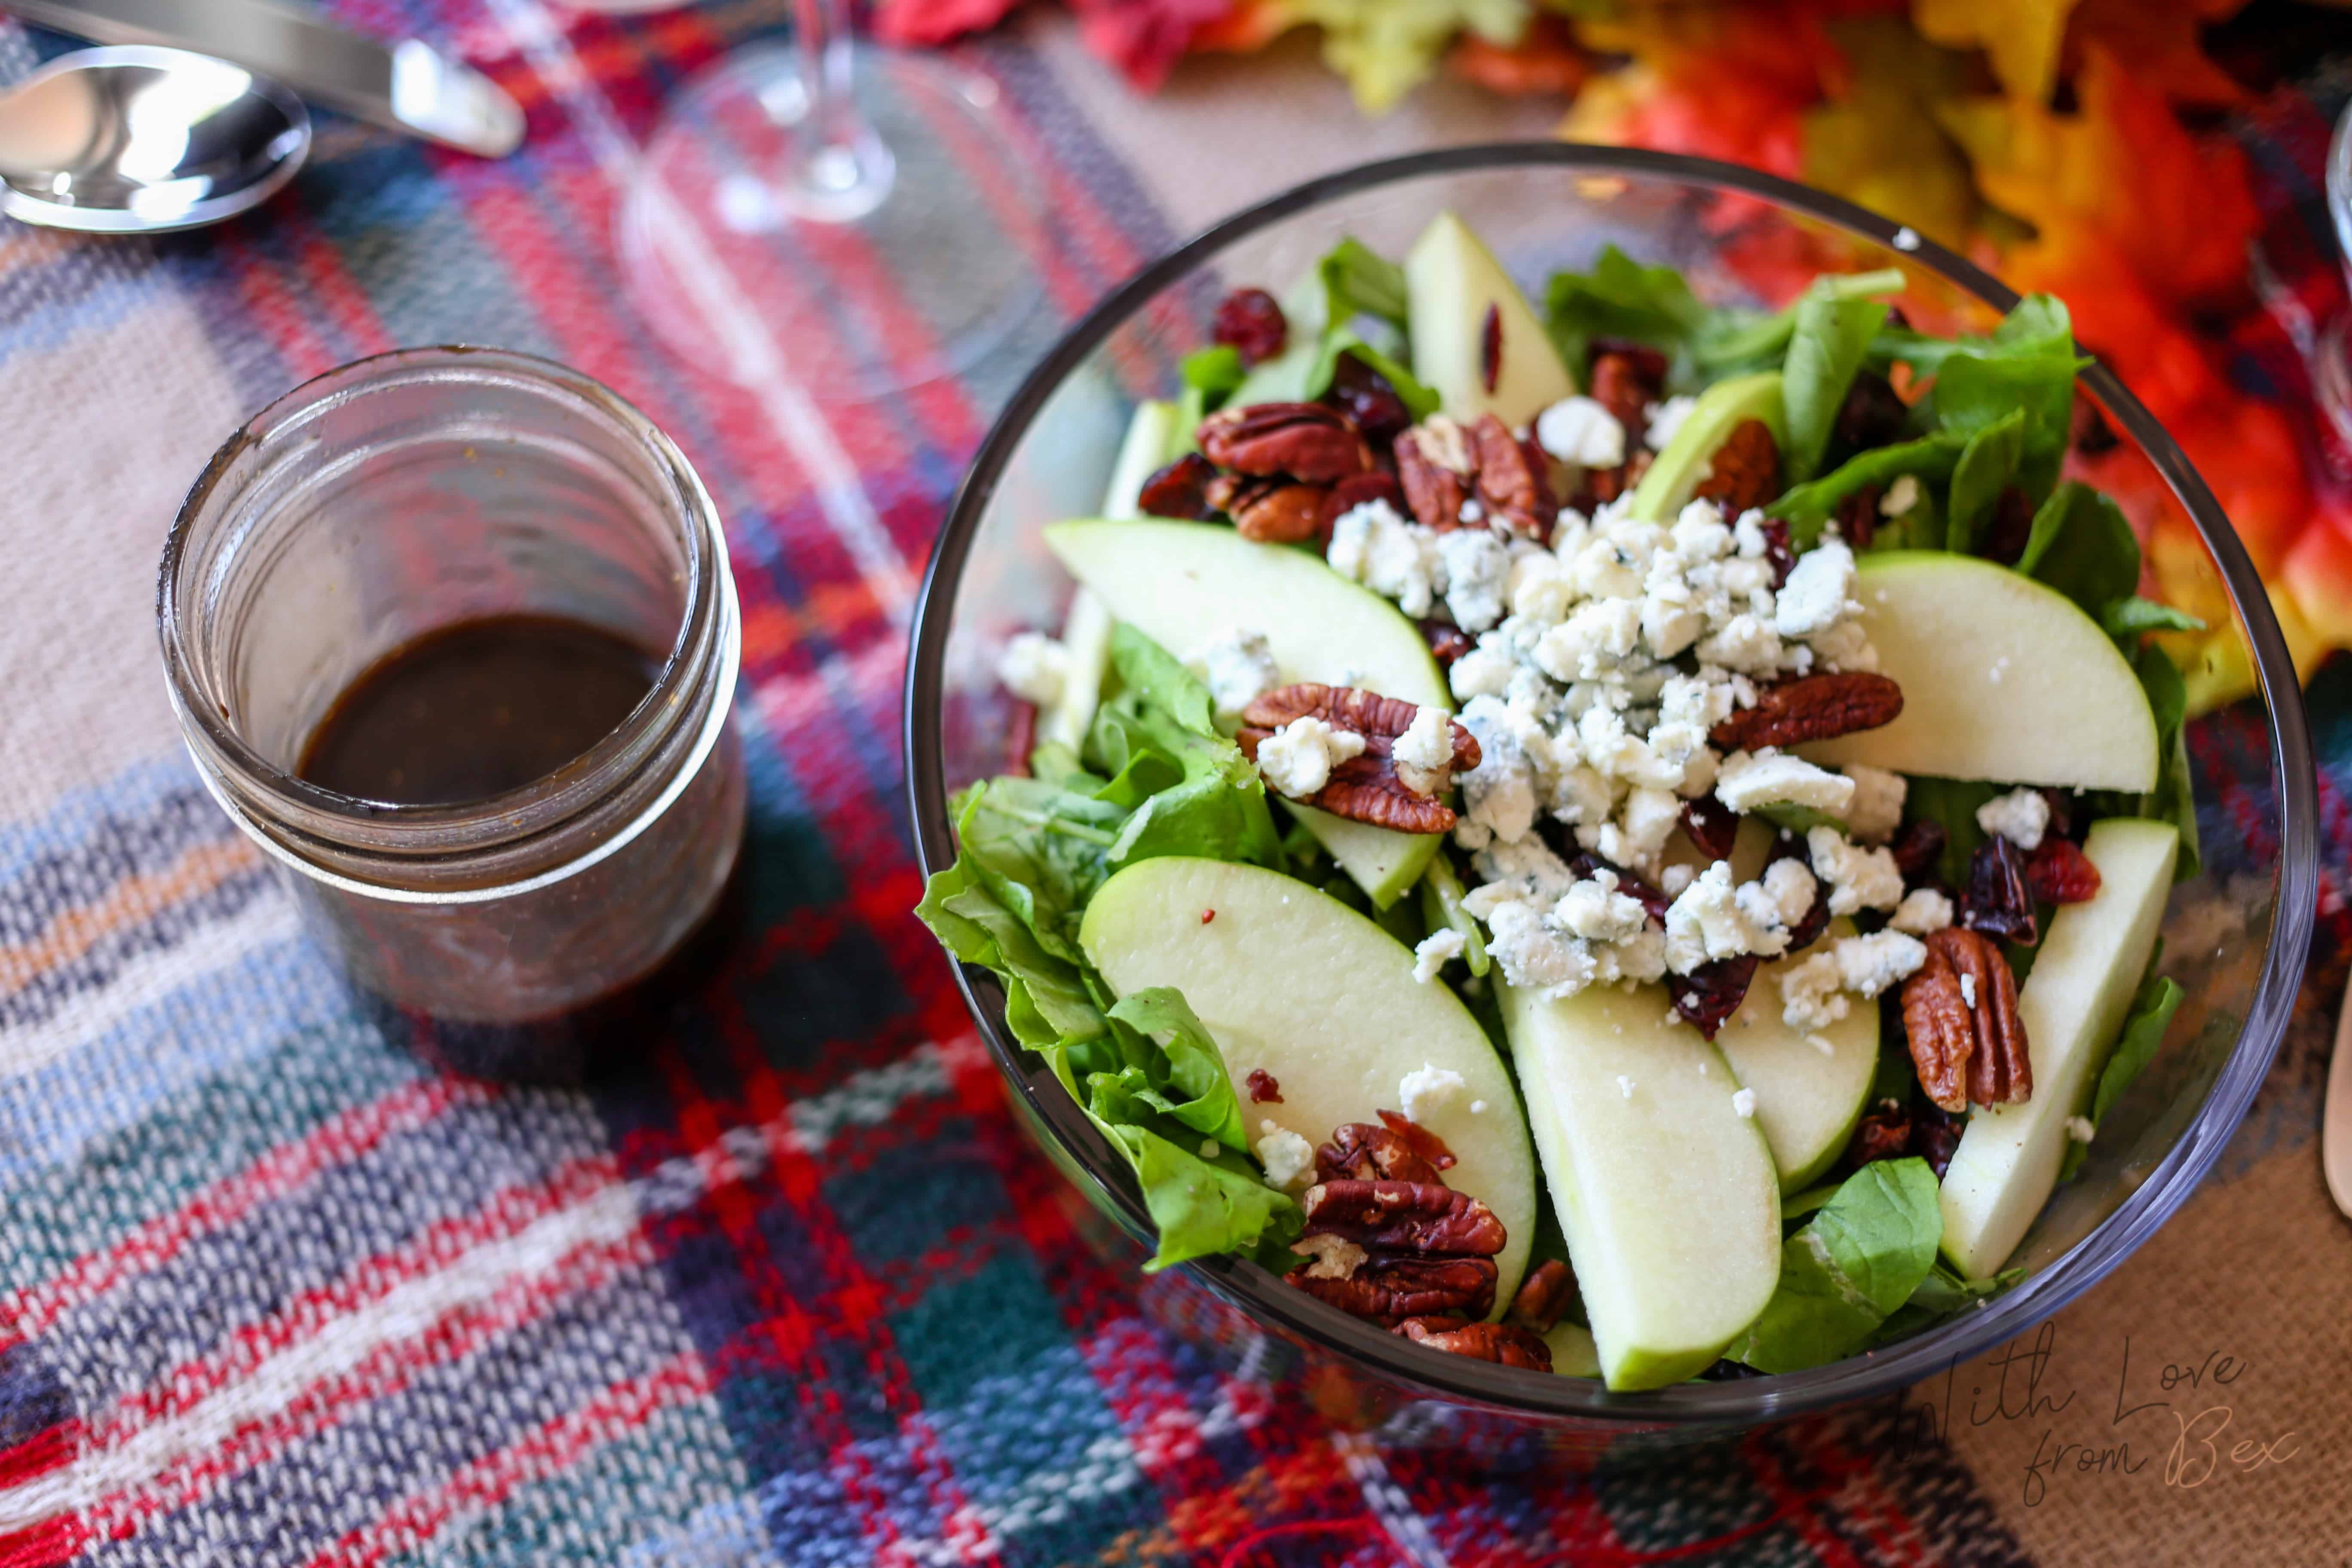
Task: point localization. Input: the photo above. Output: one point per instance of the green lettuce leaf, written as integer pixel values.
(1619, 298)
(1360, 281)
(2153, 1006)
(1215, 370)
(1186, 1075)
(1828, 339)
(1189, 789)
(1852, 1266)
(1942, 1294)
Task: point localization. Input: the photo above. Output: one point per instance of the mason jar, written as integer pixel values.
(407, 493)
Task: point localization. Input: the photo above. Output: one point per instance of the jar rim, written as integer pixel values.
(252, 786)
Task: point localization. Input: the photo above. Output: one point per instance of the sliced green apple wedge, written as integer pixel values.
(1807, 1099)
(1573, 1353)
(1293, 983)
(1669, 1197)
(1185, 584)
(1666, 489)
(1086, 631)
(1452, 282)
(2072, 1004)
(2002, 678)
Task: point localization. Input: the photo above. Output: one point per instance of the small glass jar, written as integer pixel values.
(402, 494)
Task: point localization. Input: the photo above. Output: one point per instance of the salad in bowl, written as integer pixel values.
(1622, 837)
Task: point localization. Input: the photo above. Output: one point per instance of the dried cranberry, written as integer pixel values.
(1872, 414)
(1777, 549)
(2062, 812)
(1712, 825)
(1884, 1134)
(1263, 1088)
(1180, 490)
(1364, 395)
(1447, 642)
(1713, 991)
(1934, 1136)
(2012, 527)
(1918, 848)
(1998, 901)
(1652, 901)
(1490, 348)
(1250, 323)
(2060, 873)
(2088, 429)
(1025, 739)
(1857, 517)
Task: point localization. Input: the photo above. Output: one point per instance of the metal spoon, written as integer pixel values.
(137, 140)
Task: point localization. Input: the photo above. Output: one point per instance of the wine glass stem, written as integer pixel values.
(846, 168)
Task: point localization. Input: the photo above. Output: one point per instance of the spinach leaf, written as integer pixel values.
(2082, 546)
(2153, 1006)
(1828, 339)
(2026, 368)
(1941, 1295)
(1951, 803)
(1730, 340)
(1619, 298)
(1852, 1266)
(2126, 620)
(1806, 507)
(1359, 281)
(1988, 463)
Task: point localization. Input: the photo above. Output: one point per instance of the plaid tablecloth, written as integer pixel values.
(273, 1293)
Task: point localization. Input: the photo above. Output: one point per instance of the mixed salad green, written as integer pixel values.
(1625, 838)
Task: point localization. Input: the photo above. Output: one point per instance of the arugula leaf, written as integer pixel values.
(2126, 620)
(1619, 298)
(2153, 1006)
(1806, 507)
(1215, 370)
(1360, 281)
(1852, 1265)
(1951, 803)
(2083, 546)
(1988, 463)
(1942, 1294)
(1828, 339)
(2174, 799)
(1729, 341)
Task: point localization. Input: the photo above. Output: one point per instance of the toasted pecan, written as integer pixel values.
(1364, 789)
(1307, 441)
(1810, 707)
(1959, 1013)
(1543, 1297)
(1428, 1218)
(1270, 511)
(1387, 1289)
(1512, 486)
(1745, 470)
(1507, 1344)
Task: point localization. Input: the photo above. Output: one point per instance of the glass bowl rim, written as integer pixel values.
(1257, 1293)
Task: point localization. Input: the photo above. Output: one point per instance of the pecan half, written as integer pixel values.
(1511, 486)
(1425, 1217)
(1387, 1290)
(1361, 1152)
(1435, 469)
(1507, 1344)
(1747, 468)
(1364, 789)
(1270, 511)
(1543, 1297)
(1810, 707)
(1304, 440)
(1959, 1014)
(1180, 490)
(1625, 380)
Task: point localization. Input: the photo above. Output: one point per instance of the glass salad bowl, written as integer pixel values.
(2236, 934)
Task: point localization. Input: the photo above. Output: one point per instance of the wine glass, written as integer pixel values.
(850, 224)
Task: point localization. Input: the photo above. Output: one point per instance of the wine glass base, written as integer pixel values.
(856, 272)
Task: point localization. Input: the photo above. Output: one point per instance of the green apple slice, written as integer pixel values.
(1669, 1197)
(1807, 1099)
(1185, 584)
(1573, 1353)
(1086, 631)
(1452, 281)
(2002, 678)
(1666, 489)
(2073, 1005)
(1293, 981)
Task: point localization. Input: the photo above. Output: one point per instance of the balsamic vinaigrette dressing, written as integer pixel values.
(475, 710)
(472, 710)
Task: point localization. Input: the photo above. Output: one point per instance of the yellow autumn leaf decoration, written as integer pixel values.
(2021, 38)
